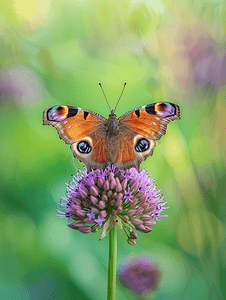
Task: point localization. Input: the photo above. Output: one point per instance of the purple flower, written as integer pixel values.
(128, 195)
(89, 181)
(21, 84)
(131, 173)
(140, 275)
(100, 173)
(158, 209)
(104, 197)
(110, 169)
(99, 220)
(91, 216)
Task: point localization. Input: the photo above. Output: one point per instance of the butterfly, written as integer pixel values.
(124, 142)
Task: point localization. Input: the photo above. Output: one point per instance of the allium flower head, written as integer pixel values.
(140, 275)
(103, 198)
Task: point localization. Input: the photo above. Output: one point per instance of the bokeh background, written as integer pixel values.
(55, 52)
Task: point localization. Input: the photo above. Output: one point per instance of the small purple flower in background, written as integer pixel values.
(140, 275)
(211, 69)
(104, 198)
(21, 84)
(208, 60)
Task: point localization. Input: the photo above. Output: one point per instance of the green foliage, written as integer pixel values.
(56, 54)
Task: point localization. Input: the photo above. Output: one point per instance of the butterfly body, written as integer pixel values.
(124, 141)
(112, 125)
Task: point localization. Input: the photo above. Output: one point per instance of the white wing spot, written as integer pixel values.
(65, 122)
(69, 127)
(157, 118)
(154, 123)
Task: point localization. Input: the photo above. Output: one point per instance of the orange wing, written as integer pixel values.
(151, 120)
(72, 123)
(99, 152)
(140, 128)
(83, 129)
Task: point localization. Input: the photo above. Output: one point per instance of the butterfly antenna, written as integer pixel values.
(104, 95)
(120, 96)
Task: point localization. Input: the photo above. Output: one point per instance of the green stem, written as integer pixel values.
(112, 263)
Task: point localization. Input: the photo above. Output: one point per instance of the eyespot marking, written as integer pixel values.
(84, 147)
(165, 109)
(142, 145)
(57, 113)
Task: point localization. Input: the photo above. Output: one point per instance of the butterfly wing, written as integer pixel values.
(141, 127)
(81, 128)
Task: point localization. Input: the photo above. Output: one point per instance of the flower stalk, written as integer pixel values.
(112, 263)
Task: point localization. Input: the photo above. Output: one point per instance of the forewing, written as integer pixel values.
(76, 125)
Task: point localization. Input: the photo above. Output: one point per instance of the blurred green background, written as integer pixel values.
(55, 52)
